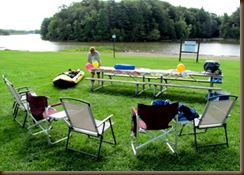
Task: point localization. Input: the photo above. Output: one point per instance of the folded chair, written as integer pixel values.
(19, 95)
(82, 121)
(153, 121)
(214, 116)
(41, 116)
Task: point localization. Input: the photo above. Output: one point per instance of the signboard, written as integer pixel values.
(190, 46)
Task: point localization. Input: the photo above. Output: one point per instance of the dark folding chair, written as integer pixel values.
(154, 121)
(42, 115)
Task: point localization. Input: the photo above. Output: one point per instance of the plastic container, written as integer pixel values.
(222, 93)
(124, 66)
(217, 93)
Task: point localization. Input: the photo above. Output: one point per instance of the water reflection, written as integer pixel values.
(33, 42)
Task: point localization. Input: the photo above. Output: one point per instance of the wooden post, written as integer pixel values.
(180, 49)
(198, 48)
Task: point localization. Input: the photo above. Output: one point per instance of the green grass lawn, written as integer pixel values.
(20, 151)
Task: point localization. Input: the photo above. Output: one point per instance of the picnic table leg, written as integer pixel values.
(143, 79)
(92, 85)
(155, 90)
(211, 85)
(102, 78)
(136, 91)
(161, 81)
(110, 77)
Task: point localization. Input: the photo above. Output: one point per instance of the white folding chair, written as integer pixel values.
(82, 121)
(19, 95)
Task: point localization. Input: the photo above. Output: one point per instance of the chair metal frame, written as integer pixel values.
(19, 95)
(157, 132)
(82, 120)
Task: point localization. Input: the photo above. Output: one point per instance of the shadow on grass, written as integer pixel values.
(171, 94)
(155, 157)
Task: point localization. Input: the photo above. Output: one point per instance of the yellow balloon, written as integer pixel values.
(95, 64)
(180, 67)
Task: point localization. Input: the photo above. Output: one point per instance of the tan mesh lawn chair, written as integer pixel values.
(82, 121)
(216, 111)
(213, 116)
(41, 116)
(153, 121)
(19, 95)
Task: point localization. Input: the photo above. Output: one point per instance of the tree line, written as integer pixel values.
(136, 21)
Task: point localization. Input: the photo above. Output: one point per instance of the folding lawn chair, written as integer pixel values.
(82, 121)
(153, 121)
(19, 95)
(42, 115)
(214, 116)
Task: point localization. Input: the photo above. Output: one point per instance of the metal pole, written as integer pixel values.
(114, 47)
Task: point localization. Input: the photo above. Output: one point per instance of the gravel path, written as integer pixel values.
(184, 55)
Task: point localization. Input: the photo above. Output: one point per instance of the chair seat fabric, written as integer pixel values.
(49, 112)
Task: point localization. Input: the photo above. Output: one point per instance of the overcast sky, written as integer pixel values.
(29, 14)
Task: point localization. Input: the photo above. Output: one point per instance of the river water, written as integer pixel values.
(33, 42)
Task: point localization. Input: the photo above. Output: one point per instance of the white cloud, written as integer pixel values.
(28, 14)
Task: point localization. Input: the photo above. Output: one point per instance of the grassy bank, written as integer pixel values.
(21, 152)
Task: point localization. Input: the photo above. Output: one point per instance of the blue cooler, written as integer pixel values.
(124, 66)
(222, 93)
(217, 93)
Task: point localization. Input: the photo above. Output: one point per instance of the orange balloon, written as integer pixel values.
(180, 67)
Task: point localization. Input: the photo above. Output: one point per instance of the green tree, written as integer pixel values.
(137, 20)
(44, 28)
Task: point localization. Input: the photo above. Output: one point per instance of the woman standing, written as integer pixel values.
(94, 55)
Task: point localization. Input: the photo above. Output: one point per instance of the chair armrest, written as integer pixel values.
(23, 89)
(55, 104)
(133, 111)
(52, 107)
(104, 120)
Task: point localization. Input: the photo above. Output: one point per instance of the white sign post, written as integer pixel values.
(189, 47)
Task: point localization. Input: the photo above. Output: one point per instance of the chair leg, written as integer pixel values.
(14, 107)
(216, 144)
(195, 136)
(226, 136)
(112, 130)
(15, 112)
(67, 142)
(183, 125)
(15, 116)
(99, 148)
(26, 113)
